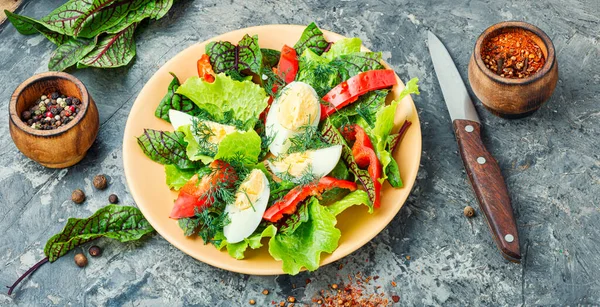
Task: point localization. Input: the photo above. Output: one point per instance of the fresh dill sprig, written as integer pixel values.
(203, 133)
(266, 139)
(307, 176)
(309, 137)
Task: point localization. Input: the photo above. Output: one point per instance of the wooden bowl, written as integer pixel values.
(513, 98)
(63, 146)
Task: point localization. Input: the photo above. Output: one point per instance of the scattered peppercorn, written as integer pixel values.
(95, 251)
(395, 298)
(81, 260)
(78, 196)
(46, 113)
(100, 182)
(334, 286)
(469, 211)
(113, 199)
(282, 304)
(265, 292)
(291, 299)
(252, 302)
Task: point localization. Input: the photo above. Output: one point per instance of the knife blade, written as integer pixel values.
(482, 169)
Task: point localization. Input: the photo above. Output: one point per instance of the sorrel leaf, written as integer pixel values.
(69, 53)
(150, 9)
(175, 101)
(121, 223)
(230, 59)
(63, 18)
(333, 136)
(350, 65)
(104, 14)
(312, 38)
(112, 50)
(165, 147)
(270, 57)
(28, 26)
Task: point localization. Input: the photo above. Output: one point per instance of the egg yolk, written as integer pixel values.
(298, 107)
(294, 164)
(250, 190)
(219, 131)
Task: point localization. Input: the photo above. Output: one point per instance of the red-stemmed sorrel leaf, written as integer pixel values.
(165, 148)
(103, 15)
(28, 26)
(112, 50)
(175, 101)
(152, 9)
(69, 53)
(312, 38)
(230, 59)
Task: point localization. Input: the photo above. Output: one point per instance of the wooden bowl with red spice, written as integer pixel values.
(513, 69)
(61, 145)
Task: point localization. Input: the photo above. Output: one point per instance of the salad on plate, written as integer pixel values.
(276, 143)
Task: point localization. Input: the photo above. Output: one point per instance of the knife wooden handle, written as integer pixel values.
(488, 184)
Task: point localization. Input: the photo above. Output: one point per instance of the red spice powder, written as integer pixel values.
(352, 293)
(513, 54)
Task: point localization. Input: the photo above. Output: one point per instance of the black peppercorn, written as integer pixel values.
(113, 199)
(69, 101)
(78, 196)
(26, 115)
(54, 95)
(100, 182)
(469, 211)
(81, 260)
(95, 251)
(76, 101)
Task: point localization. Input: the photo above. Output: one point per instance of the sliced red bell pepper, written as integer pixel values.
(364, 155)
(205, 70)
(287, 68)
(289, 203)
(196, 195)
(348, 91)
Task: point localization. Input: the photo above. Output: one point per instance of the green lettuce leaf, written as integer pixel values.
(244, 99)
(245, 145)
(232, 60)
(113, 50)
(177, 178)
(318, 72)
(358, 197)
(303, 247)
(165, 148)
(237, 250)
(342, 47)
(193, 150)
(175, 101)
(121, 223)
(312, 38)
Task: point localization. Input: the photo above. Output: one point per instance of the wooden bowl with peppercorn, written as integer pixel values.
(513, 69)
(53, 119)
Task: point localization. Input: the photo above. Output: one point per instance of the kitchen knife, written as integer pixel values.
(482, 169)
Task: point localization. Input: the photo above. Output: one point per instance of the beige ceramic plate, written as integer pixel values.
(146, 178)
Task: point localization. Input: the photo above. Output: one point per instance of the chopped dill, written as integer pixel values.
(309, 137)
(306, 177)
(202, 133)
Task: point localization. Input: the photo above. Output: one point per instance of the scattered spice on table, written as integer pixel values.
(51, 111)
(81, 260)
(95, 251)
(469, 211)
(113, 199)
(78, 196)
(352, 293)
(513, 54)
(100, 182)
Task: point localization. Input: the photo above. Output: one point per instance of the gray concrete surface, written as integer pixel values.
(551, 162)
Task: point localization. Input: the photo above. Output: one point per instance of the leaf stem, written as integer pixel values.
(31, 270)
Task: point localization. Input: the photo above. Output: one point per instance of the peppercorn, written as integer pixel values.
(78, 196)
(282, 304)
(113, 199)
(100, 182)
(95, 251)
(81, 260)
(469, 211)
(76, 101)
(55, 95)
(26, 115)
(265, 292)
(291, 299)
(252, 302)
(334, 286)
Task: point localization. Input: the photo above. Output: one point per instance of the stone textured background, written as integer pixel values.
(551, 163)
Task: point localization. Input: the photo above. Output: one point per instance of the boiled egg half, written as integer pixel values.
(296, 108)
(217, 131)
(250, 204)
(319, 163)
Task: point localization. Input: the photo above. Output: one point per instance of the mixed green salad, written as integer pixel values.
(276, 144)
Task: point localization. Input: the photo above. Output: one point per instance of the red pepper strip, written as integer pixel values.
(289, 203)
(205, 70)
(365, 156)
(196, 195)
(349, 91)
(287, 68)
(263, 115)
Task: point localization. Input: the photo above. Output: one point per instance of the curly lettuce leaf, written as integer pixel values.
(237, 250)
(245, 100)
(312, 38)
(342, 47)
(358, 197)
(177, 178)
(245, 145)
(232, 60)
(175, 101)
(165, 148)
(121, 223)
(303, 247)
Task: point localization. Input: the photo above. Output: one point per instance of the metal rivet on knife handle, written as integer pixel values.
(469, 128)
(509, 238)
(481, 160)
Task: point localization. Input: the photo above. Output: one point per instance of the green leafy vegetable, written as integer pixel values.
(177, 178)
(303, 247)
(350, 65)
(237, 250)
(175, 101)
(295, 220)
(270, 57)
(121, 223)
(194, 150)
(342, 47)
(312, 38)
(307, 138)
(103, 15)
(317, 72)
(28, 26)
(232, 60)
(113, 50)
(244, 99)
(189, 225)
(70, 52)
(244, 145)
(165, 147)
(358, 197)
